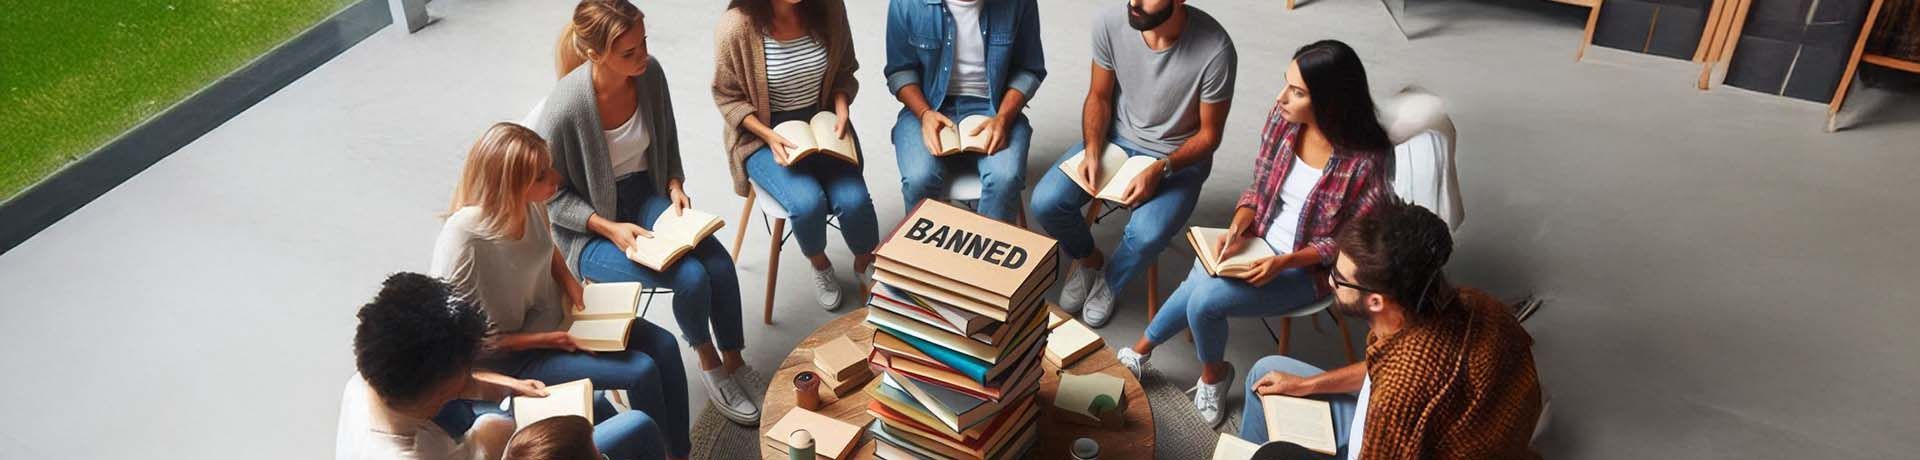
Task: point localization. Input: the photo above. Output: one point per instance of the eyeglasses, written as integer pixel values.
(1334, 276)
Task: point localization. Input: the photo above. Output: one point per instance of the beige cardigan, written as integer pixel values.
(740, 82)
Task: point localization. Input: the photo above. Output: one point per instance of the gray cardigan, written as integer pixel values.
(571, 126)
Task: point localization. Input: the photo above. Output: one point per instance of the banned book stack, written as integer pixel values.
(959, 334)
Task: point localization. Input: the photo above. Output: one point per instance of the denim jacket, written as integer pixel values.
(920, 47)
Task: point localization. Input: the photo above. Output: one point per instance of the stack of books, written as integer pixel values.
(960, 331)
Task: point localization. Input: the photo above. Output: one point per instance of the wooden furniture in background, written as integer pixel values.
(1724, 23)
(1853, 65)
(1593, 17)
(1134, 440)
(778, 215)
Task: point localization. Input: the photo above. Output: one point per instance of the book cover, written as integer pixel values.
(571, 398)
(991, 255)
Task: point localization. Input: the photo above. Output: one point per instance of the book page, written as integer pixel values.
(1111, 159)
(601, 334)
(1306, 422)
(1251, 253)
(1230, 447)
(974, 144)
(840, 147)
(801, 134)
(686, 229)
(609, 301)
(949, 142)
(571, 398)
(655, 253)
(1115, 188)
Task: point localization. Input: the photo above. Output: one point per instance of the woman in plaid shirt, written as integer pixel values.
(1321, 162)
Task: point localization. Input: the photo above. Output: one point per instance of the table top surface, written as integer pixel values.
(1133, 440)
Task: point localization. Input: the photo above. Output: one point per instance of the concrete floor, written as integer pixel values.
(1725, 279)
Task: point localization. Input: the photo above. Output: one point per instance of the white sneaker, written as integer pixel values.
(729, 398)
(1206, 399)
(826, 289)
(1074, 293)
(1099, 307)
(1135, 362)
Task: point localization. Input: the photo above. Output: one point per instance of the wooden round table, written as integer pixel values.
(1133, 440)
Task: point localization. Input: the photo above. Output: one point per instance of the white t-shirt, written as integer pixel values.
(627, 145)
(419, 439)
(1293, 196)
(969, 76)
(1359, 427)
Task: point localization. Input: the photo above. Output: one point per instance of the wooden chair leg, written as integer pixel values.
(773, 267)
(746, 212)
(1593, 17)
(1346, 338)
(1286, 334)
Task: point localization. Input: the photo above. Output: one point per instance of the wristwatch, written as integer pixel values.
(1166, 168)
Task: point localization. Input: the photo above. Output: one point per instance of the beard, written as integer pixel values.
(1350, 310)
(1141, 20)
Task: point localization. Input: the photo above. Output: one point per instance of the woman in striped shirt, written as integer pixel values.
(784, 60)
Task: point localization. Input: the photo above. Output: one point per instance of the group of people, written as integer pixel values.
(542, 207)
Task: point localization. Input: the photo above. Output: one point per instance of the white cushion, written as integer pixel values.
(1423, 161)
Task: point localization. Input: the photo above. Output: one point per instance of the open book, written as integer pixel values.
(816, 136)
(956, 141)
(1301, 421)
(1236, 265)
(610, 309)
(673, 236)
(1117, 171)
(571, 398)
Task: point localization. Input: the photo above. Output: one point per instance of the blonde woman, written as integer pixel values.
(781, 60)
(495, 251)
(610, 123)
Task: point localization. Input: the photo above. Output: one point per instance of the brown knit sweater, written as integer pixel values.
(740, 81)
(1457, 386)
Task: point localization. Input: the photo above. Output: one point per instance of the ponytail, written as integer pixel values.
(567, 54)
(595, 24)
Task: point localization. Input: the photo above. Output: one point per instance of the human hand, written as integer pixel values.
(679, 198)
(996, 130)
(1264, 271)
(931, 122)
(1281, 383)
(1144, 184)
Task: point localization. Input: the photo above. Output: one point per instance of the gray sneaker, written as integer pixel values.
(726, 396)
(1207, 399)
(1099, 307)
(1134, 361)
(826, 289)
(1073, 294)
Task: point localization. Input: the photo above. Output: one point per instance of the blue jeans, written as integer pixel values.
(1204, 303)
(1002, 174)
(1253, 417)
(706, 291)
(650, 370)
(812, 187)
(1057, 203)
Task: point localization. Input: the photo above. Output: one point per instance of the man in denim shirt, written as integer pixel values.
(948, 60)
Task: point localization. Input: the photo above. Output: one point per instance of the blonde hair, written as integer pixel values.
(501, 165)
(595, 24)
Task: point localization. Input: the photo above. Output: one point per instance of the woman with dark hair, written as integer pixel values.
(1320, 164)
(784, 60)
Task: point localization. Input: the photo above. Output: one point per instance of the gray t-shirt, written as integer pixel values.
(511, 279)
(1161, 91)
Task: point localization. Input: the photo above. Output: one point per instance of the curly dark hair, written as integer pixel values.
(1400, 248)
(414, 335)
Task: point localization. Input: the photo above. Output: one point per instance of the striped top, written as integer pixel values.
(794, 70)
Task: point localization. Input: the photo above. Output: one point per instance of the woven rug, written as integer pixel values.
(715, 437)
(1178, 430)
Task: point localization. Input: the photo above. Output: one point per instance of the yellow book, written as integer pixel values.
(955, 140)
(674, 235)
(609, 312)
(1235, 265)
(1301, 421)
(1117, 171)
(816, 136)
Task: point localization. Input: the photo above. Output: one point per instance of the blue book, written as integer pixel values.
(966, 365)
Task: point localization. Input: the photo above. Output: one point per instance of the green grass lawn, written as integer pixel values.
(75, 74)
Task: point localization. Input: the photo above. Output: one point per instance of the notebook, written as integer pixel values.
(816, 136)
(571, 398)
(1235, 265)
(1305, 422)
(831, 438)
(956, 140)
(1070, 342)
(674, 235)
(610, 309)
(1117, 171)
(840, 358)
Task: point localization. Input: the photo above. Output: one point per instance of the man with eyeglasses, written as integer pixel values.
(1448, 372)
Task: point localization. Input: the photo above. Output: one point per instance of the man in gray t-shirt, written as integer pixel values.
(1162, 83)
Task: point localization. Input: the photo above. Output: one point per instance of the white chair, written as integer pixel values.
(1416, 121)
(965, 188)
(770, 211)
(354, 418)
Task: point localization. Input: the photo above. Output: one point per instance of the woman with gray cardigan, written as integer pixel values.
(610, 126)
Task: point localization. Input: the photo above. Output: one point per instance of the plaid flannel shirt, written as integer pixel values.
(1349, 186)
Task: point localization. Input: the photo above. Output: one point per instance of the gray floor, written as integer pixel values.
(1726, 280)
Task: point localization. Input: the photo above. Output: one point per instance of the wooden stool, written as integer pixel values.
(770, 211)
